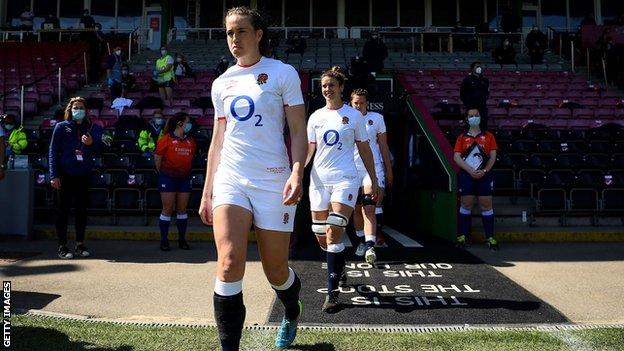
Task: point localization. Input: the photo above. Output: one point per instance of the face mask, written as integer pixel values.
(187, 127)
(474, 121)
(158, 121)
(9, 126)
(478, 70)
(163, 52)
(78, 115)
(118, 52)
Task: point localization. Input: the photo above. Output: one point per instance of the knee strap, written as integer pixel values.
(319, 227)
(338, 220)
(367, 200)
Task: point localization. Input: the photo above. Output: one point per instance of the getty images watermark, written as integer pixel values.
(6, 313)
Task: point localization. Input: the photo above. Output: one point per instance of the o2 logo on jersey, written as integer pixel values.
(331, 138)
(236, 107)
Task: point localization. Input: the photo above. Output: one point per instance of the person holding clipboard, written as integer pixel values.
(475, 154)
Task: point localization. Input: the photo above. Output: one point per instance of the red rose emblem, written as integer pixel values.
(262, 78)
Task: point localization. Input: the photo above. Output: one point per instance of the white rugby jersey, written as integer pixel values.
(252, 99)
(374, 125)
(335, 133)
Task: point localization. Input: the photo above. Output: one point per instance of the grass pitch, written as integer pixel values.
(39, 333)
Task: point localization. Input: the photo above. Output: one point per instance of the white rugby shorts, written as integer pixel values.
(262, 198)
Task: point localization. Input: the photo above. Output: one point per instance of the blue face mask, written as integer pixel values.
(158, 121)
(474, 121)
(9, 126)
(78, 114)
(187, 127)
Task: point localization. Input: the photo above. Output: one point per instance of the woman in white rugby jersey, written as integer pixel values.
(333, 132)
(364, 218)
(249, 179)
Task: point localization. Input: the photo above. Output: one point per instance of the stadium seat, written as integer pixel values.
(613, 200)
(99, 200)
(583, 199)
(152, 200)
(551, 199)
(127, 200)
(529, 177)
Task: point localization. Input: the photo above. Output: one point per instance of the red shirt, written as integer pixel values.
(485, 140)
(177, 155)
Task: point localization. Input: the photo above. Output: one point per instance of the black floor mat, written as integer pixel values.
(437, 284)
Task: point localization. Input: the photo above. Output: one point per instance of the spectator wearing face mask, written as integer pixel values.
(181, 67)
(475, 154)
(474, 92)
(75, 141)
(86, 20)
(296, 45)
(536, 42)
(148, 138)
(505, 54)
(173, 160)
(26, 18)
(113, 72)
(16, 140)
(375, 52)
(164, 76)
(128, 82)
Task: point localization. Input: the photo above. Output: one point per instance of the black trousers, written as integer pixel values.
(74, 190)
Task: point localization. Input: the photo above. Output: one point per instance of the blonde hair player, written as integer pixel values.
(364, 217)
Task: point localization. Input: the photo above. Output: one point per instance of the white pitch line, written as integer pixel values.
(400, 237)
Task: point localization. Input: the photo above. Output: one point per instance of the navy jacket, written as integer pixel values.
(474, 91)
(66, 139)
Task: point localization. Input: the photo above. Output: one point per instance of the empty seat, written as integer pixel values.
(98, 199)
(127, 199)
(583, 199)
(551, 199)
(613, 199)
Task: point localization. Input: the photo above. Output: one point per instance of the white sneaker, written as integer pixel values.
(371, 257)
(360, 250)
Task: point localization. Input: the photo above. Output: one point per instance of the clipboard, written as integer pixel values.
(475, 157)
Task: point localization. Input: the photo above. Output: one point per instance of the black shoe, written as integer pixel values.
(64, 253)
(343, 278)
(331, 304)
(182, 244)
(164, 246)
(81, 251)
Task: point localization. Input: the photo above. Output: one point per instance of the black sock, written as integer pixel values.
(290, 299)
(335, 265)
(230, 316)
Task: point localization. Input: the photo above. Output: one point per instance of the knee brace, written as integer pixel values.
(319, 227)
(338, 220)
(367, 200)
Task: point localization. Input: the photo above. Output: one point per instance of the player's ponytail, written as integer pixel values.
(173, 121)
(337, 73)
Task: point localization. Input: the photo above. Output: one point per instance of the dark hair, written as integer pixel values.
(68, 109)
(9, 116)
(257, 22)
(472, 65)
(360, 92)
(172, 122)
(336, 72)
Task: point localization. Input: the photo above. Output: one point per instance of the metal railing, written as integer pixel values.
(281, 32)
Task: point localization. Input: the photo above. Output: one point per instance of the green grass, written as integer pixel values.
(37, 333)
